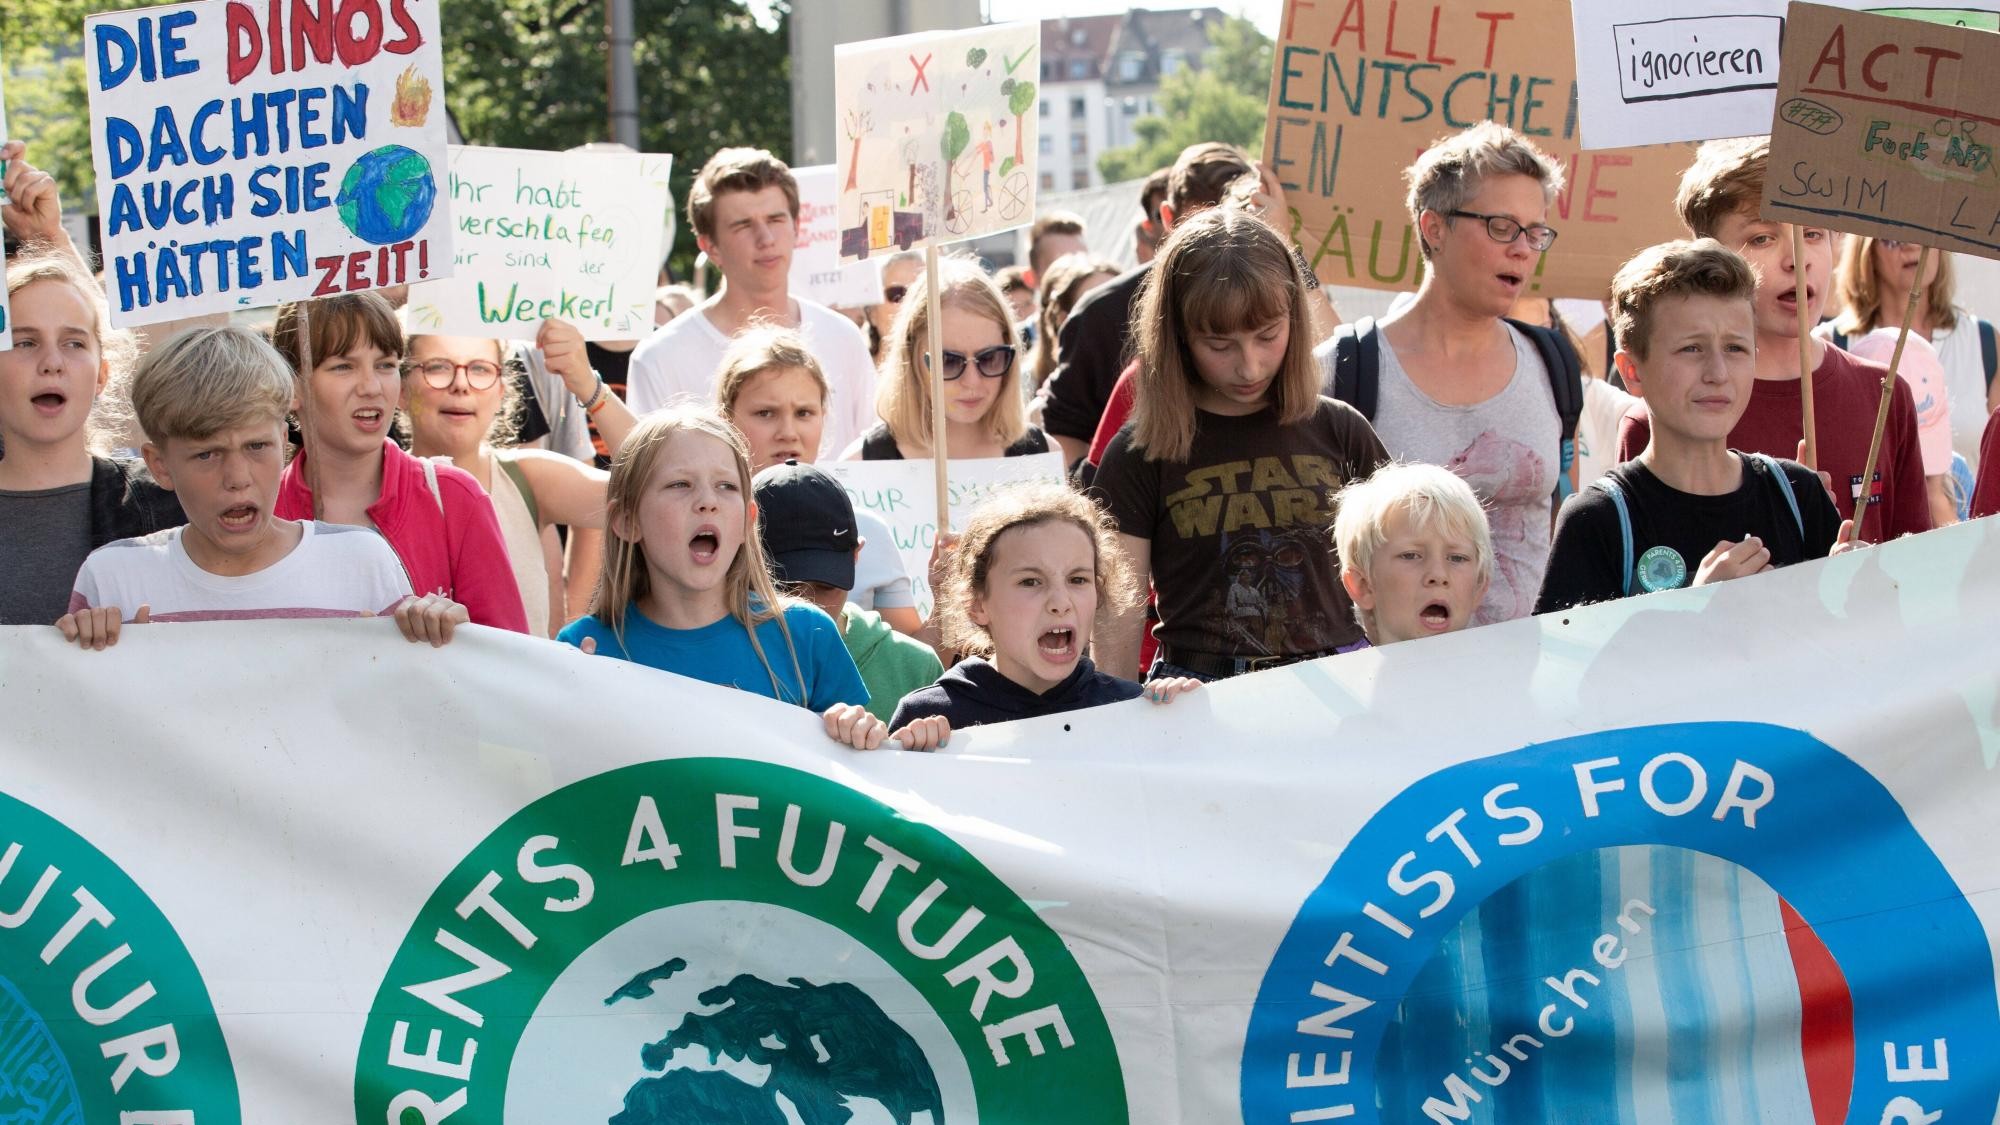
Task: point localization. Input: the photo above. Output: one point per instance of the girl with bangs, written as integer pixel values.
(985, 413)
(685, 588)
(1221, 482)
(434, 515)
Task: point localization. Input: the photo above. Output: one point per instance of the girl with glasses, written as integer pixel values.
(435, 516)
(464, 406)
(983, 408)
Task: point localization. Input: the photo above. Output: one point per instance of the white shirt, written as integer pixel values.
(681, 358)
(335, 571)
(881, 581)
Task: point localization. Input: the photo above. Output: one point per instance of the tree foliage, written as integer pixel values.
(1223, 101)
(518, 73)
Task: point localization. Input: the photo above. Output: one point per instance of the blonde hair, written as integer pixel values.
(1026, 505)
(1431, 495)
(763, 347)
(1859, 288)
(748, 591)
(1451, 171)
(904, 397)
(207, 380)
(737, 169)
(111, 412)
(1056, 299)
(1703, 267)
(1222, 271)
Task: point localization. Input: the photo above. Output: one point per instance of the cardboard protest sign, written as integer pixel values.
(1360, 88)
(573, 235)
(903, 494)
(1690, 70)
(6, 316)
(248, 154)
(1539, 872)
(817, 271)
(940, 132)
(1886, 127)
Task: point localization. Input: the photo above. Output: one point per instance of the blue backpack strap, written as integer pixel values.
(1610, 487)
(1777, 472)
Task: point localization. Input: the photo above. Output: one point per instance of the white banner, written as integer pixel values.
(1720, 854)
(817, 273)
(248, 154)
(1691, 70)
(904, 495)
(573, 235)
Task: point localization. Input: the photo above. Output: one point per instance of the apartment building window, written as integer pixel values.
(1079, 68)
(1048, 181)
(1048, 144)
(1045, 107)
(1078, 144)
(1077, 109)
(1079, 179)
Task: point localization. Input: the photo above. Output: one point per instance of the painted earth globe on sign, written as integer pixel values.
(832, 1056)
(387, 195)
(35, 1083)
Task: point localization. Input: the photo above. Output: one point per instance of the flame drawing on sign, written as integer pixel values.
(412, 103)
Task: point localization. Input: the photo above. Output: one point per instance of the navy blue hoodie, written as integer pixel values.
(973, 692)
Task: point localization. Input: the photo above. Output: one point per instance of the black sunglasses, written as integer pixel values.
(992, 362)
(894, 294)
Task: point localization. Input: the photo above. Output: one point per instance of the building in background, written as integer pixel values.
(1099, 76)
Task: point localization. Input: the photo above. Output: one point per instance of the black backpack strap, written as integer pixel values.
(1837, 338)
(1565, 370)
(1989, 351)
(1357, 359)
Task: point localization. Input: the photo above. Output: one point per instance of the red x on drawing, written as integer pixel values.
(920, 79)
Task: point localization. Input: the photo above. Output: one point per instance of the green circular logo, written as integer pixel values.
(1661, 568)
(103, 1015)
(706, 940)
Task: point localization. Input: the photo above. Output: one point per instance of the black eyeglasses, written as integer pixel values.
(439, 373)
(992, 362)
(894, 294)
(1503, 229)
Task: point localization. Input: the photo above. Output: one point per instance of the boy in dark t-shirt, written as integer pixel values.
(1688, 510)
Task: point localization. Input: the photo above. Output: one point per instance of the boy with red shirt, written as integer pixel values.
(1719, 198)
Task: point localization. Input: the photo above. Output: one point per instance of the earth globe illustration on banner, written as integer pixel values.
(387, 195)
(36, 1087)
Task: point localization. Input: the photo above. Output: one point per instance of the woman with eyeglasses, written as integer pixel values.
(983, 409)
(1456, 383)
(434, 515)
(463, 406)
(899, 272)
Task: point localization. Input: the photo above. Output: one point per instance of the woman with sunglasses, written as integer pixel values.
(983, 409)
(1458, 385)
(463, 406)
(435, 516)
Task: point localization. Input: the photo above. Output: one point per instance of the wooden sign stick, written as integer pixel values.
(933, 308)
(1805, 346)
(1882, 408)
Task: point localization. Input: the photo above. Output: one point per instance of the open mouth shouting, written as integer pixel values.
(241, 517)
(50, 403)
(1435, 617)
(705, 546)
(369, 419)
(1788, 297)
(1512, 280)
(1058, 643)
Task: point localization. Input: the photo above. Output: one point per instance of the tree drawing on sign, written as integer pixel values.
(912, 153)
(957, 136)
(857, 125)
(1020, 100)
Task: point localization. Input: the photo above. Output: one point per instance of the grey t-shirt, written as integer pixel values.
(1508, 448)
(44, 537)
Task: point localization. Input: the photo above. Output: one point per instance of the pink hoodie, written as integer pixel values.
(449, 543)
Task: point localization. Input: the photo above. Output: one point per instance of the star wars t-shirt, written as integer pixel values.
(1242, 552)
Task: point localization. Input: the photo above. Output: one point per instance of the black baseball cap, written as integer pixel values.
(807, 523)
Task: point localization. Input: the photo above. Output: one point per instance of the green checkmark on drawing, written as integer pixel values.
(1011, 64)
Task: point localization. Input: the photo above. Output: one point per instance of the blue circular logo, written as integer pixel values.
(1661, 568)
(1528, 845)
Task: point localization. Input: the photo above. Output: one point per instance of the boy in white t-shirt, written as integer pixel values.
(213, 402)
(744, 208)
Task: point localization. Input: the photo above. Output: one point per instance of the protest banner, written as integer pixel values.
(817, 271)
(1691, 70)
(248, 154)
(902, 494)
(1642, 866)
(6, 323)
(940, 136)
(1360, 88)
(572, 235)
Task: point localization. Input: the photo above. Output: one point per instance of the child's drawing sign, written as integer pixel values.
(939, 133)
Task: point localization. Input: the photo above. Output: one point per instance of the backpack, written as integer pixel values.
(1989, 348)
(1357, 373)
(1609, 486)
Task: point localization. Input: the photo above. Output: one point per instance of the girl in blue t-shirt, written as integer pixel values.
(685, 588)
